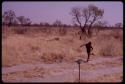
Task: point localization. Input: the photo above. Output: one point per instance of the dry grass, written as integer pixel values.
(117, 77)
(36, 72)
(36, 45)
(52, 57)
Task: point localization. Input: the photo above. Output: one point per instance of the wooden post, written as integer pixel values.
(79, 72)
(78, 62)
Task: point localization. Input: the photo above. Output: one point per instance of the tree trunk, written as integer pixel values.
(83, 32)
(90, 32)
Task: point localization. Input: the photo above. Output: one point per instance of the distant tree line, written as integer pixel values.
(83, 18)
(9, 18)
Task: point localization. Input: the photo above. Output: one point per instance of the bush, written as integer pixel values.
(46, 30)
(21, 30)
(62, 31)
(118, 35)
(108, 50)
(52, 57)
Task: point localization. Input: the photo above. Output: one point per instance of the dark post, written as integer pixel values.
(79, 72)
(78, 62)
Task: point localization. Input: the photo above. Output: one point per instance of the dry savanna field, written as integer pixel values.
(47, 54)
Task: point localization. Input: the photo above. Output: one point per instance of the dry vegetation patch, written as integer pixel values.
(37, 44)
(117, 77)
(36, 72)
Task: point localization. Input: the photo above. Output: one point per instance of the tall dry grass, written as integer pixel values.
(38, 44)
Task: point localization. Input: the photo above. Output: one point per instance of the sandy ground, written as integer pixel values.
(66, 72)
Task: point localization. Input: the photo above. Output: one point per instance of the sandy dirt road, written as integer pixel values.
(66, 72)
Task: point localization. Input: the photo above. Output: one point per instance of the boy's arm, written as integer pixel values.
(82, 45)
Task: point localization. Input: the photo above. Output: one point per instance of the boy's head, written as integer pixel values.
(89, 42)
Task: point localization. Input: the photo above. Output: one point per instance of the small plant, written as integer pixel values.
(62, 31)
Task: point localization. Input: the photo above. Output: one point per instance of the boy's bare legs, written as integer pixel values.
(88, 57)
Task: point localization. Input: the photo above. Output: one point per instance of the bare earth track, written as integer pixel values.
(64, 72)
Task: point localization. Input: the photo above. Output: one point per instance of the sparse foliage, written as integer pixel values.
(119, 25)
(23, 20)
(9, 17)
(57, 23)
(101, 24)
(86, 17)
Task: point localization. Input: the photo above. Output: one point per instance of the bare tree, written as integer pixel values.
(28, 21)
(9, 17)
(86, 17)
(101, 24)
(119, 25)
(3, 20)
(46, 24)
(77, 17)
(57, 23)
(41, 24)
(23, 20)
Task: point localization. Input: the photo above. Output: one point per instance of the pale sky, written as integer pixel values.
(46, 11)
